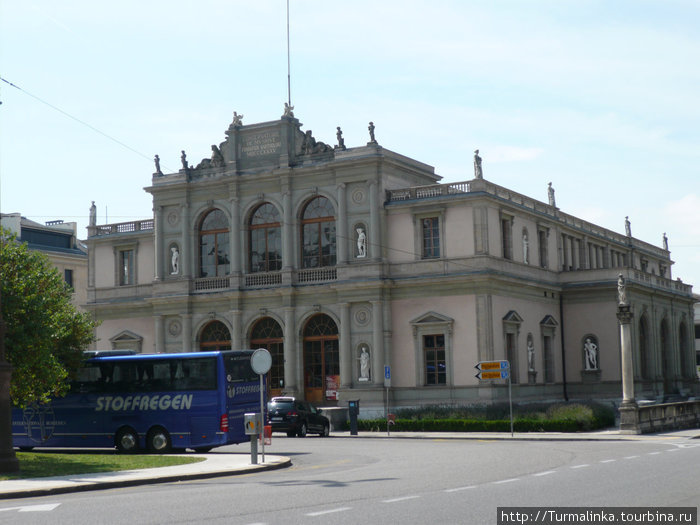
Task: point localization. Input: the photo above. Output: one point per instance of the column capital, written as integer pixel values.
(624, 314)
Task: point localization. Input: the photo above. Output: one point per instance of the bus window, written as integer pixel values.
(238, 369)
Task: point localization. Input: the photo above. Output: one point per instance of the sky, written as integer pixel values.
(600, 98)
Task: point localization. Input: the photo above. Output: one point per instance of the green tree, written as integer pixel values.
(45, 334)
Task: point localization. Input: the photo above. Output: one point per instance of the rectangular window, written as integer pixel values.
(431, 238)
(68, 277)
(542, 245)
(548, 360)
(507, 237)
(126, 267)
(435, 365)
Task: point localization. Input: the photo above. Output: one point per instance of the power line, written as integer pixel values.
(93, 128)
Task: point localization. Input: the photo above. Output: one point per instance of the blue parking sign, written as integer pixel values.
(387, 372)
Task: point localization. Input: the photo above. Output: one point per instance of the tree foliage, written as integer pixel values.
(45, 334)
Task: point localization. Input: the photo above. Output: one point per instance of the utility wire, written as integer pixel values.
(93, 128)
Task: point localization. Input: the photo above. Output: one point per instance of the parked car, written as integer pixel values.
(296, 417)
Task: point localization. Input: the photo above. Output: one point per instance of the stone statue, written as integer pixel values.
(372, 140)
(93, 214)
(156, 159)
(341, 140)
(591, 353)
(530, 356)
(526, 248)
(361, 243)
(364, 364)
(288, 111)
(628, 227)
(550, 193)
(621, 292)
(174, 261)
(665, 242)
(237, 120)
(478, 173)
(183, 159)
(217, 159)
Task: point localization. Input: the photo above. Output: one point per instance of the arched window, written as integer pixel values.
(321, 359)
(214, 257)
(318, 234)
(215, 336)
(265, 239)
(267, 333)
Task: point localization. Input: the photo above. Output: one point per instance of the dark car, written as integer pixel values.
(296, 418)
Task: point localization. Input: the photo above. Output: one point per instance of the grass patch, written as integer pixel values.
(45, 464)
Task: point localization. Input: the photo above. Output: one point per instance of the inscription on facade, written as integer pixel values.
(261, 144)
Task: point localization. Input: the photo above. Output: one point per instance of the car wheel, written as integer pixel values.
(302, 430)
(127, 441)
(158, 441)
(326, 431)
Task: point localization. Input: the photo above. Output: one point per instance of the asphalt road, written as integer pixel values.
(378, 481)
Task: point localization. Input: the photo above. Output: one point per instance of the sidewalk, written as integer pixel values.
(225, 464)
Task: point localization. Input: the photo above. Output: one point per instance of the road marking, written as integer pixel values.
(607, 460)
(33, 508)
(404, 498)
(653, 453)
(631, 457)
(330, 511)
(506, 481)
(580, 466)
(545, 473)
(461, 488)
(673, 450)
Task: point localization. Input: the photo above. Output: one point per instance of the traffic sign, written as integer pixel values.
(387, 372)
(492, 365)
(493, 374)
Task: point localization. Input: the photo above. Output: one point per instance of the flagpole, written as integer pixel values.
(289, 76)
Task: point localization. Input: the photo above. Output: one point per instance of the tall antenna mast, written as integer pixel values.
(289, 76)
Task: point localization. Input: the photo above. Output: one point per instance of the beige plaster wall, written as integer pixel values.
(399, 238)
(143, 326)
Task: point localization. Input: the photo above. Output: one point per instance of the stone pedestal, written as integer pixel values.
(531, 377)
(590, 376)
(629, 418)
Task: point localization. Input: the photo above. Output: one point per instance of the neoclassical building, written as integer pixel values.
(350, 262)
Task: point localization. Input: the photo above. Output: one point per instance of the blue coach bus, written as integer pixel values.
(153, 402)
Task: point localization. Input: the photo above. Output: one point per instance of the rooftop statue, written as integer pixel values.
(372, 140)
(156, 159)
(550, 194)
(478, 173)
(288, 111)
(341, 140)
(237, 120)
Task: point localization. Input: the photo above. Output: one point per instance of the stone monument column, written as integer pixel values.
(290, 352)
(345, 347)
(629, 416)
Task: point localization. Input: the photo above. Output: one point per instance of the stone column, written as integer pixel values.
(290, 353)
(235, 237)
(186, 255)
(158, 259)
(187, 343)
(377, 370)
(629, 418)
(345, 347)
(342, 233)
(236, 337)
(374, 241)
(159, 321)
(287, 232)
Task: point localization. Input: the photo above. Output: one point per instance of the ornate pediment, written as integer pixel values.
(513, 317)
(432, 318)
(548, 320)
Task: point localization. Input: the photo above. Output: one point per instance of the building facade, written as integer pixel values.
(348, 263)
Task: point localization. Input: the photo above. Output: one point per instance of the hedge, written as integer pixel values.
(474, 425)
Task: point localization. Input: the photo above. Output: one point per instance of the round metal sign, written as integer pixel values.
(261, 361)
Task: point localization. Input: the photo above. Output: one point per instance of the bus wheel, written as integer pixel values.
(127, 440)
(158, 441)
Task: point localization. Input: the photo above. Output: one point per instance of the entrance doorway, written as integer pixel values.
(267, 333)
(321, 360)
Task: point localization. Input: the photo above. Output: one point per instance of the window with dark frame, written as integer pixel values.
(435, 364)
(68, 277)
(265, 239)
(318, 234)
(126, 267)
(214, 260)
(431, 238)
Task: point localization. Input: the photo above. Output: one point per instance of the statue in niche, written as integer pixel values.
(591, 354)
(156, 159)
(339, 135)
(364, 364)
(183, 159)
(174, 261)
(550, 194)
(628, 227)
(526, 248)
(478, 173)
(665, 242)
(288, 111)
(372, 140)
(217, 159)
(93, 214)
(237, 120)
(361, 243)
(621, 292)
(530, 355)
